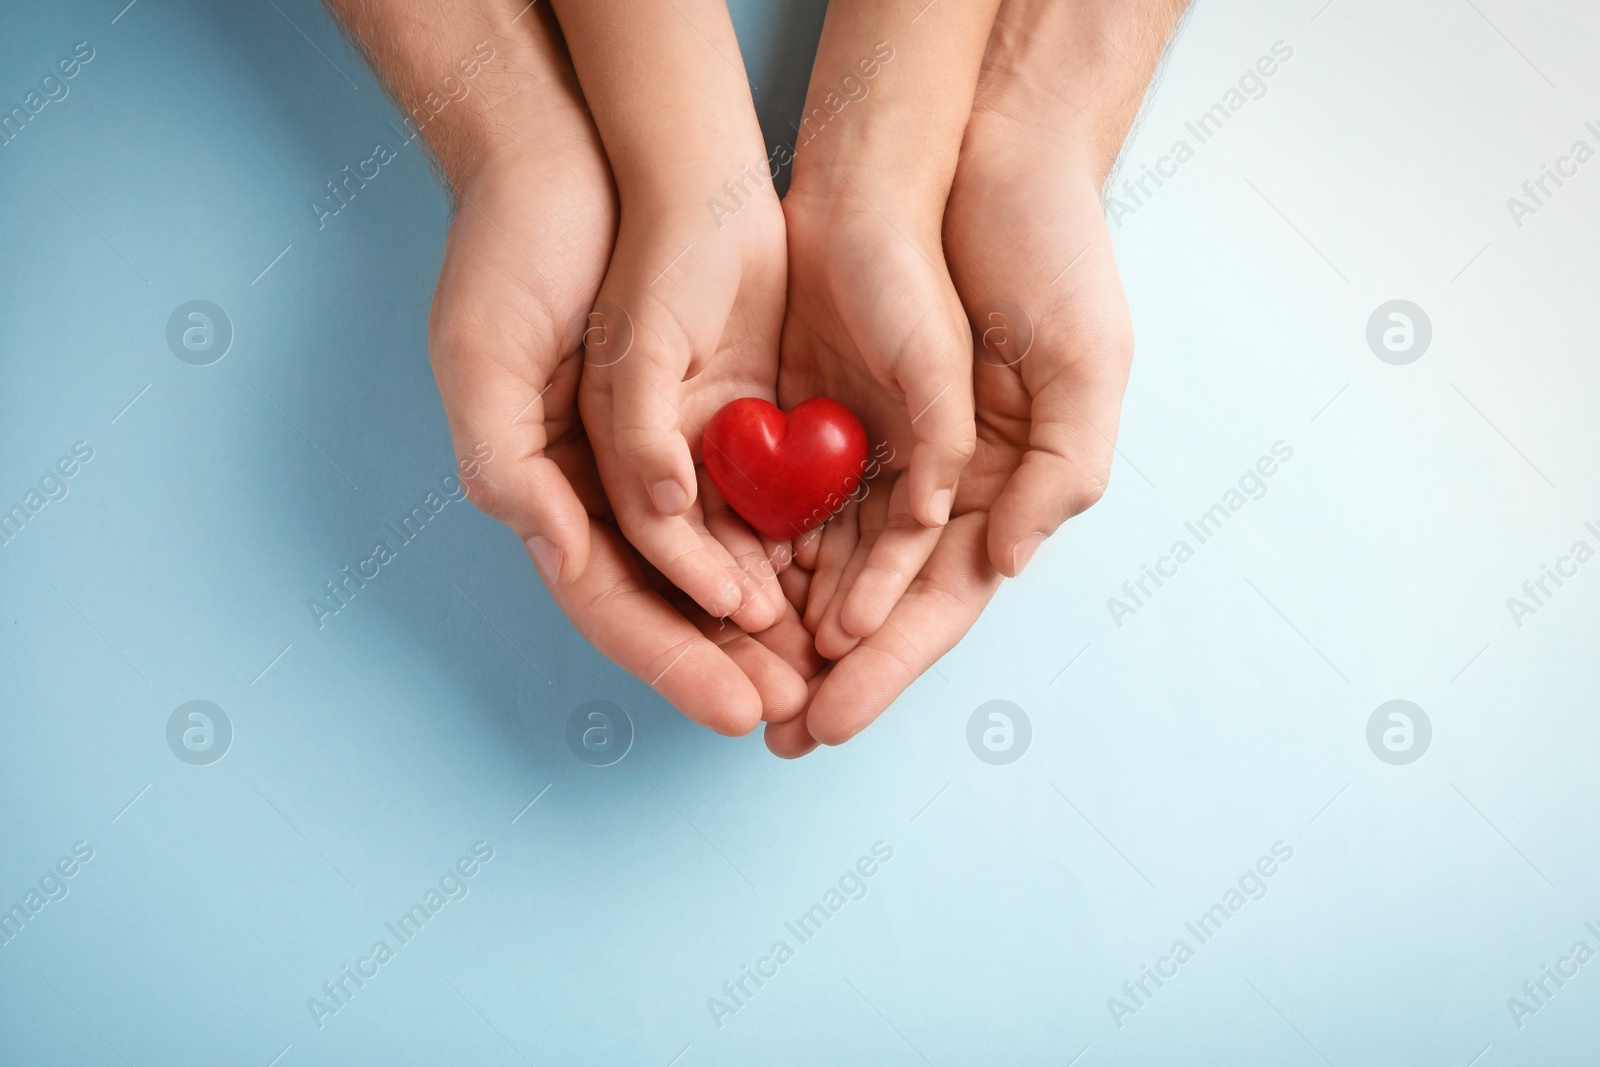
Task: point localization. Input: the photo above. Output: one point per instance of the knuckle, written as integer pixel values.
(487, 495)
(665, 657)
(453, 330)
(459, 327)
(1114, 340)
(694, 566)
(959, 440)
(898, 522)
(601, 598)
(645, 451)
(1090, 488)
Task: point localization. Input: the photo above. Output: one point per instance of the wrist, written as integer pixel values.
(888, 160)
(879, 125)
(1073, 75)
(1019, 138)
(501, 117)
(712, 180)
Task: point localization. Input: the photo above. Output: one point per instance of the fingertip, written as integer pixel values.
(577, 559)
(558, 563)
(731, 600)
(843, 707)
(832, 641)
(831, 731)
(931, 504)
(789, 740)
(944, 447)
(786, 697)
(548, 560)
(706, 685)
(782, 690)
(670, 497)
(806, 548)
(1041, 494)
(860, 617)
(735, 713)
(780, 554)
(756, 613)
(1020, 554)
(1014, 538)
(933, 477)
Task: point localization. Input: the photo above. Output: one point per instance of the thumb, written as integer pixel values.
(939, 403)
(503, 416)
(646, 424)
(506, 475)
(650, 440)
(1067, 464)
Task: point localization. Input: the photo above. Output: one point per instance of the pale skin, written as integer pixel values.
(702, 293)
(874, 319)
(1000, 128)
(536, 220)
(1059, 89)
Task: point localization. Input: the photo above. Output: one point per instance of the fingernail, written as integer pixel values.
(1024, 551)
(546, 556)
(939, 505)
(731, 592)
(669, 496)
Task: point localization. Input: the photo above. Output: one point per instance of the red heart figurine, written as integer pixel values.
(785, 474)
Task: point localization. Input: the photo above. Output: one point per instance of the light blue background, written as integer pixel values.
(1226, 715)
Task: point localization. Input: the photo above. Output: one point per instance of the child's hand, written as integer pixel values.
(535, 223)
(1045, 425)
(1052, 344)
(702, 309)
(874, 322)
(508, 339)
(874, 319)
(692, 302)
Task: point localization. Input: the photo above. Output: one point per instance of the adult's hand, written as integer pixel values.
(1032, 260)
(696, 282)
(874, 319)
(525, 257)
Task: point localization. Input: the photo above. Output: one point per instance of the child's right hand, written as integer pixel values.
(527, 251)
(690, 315)
(690, 311)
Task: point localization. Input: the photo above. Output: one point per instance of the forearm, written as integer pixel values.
(1078, 71)
(668, 91)
(478, 79)
(890, 95)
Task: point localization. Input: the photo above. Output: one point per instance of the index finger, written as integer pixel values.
(634, 627)
(935, 613)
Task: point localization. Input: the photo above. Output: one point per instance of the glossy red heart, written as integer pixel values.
(785, 473)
